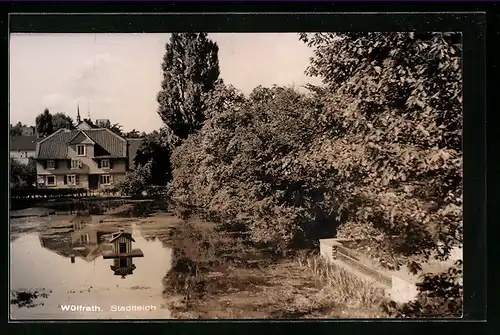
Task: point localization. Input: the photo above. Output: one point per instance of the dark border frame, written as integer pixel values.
(281, 19)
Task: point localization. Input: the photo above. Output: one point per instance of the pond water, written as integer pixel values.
(89, 287)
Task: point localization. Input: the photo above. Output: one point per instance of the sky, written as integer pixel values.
(117, 76)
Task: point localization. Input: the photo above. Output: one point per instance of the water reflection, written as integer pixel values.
(41, 262)
(123, 266)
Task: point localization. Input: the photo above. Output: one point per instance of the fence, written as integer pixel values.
(37, 193)
(399, 289)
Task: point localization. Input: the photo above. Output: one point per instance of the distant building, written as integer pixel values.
(22, 148)
(85, 125)
(84, 158)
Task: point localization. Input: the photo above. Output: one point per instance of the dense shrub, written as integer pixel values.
(155, 148)
(396, 100)
(137, 180)
(22, 175)
(236, 170)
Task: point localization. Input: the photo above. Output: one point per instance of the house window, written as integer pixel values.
(75, 164)
(51, 164)
(51, 180)
(84, 239)
(71, 179)
(105, 163)
(105, 179)
(80, 150)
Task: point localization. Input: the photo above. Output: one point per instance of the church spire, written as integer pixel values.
(78, 119)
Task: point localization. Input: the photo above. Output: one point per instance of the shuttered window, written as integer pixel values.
(105, 179)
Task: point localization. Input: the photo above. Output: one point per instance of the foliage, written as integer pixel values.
(154, 149)
(116, 128)
(395, 99)
(190, 70)
(137, 180)
(134, 134)
(62, 121)
(441, 295)
(44, 125)
(236, 171)
(22, 175)
(17, 130)
(375, 151)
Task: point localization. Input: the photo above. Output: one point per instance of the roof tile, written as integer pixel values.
(56, 145)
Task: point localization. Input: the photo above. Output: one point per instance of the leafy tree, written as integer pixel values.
(17, 129)
(117, 129)
(62, 121)
(44, 125)
(137, 180)
(134, 134)
(154, 149)
(190, 71)
(395, 99)
(22, 175)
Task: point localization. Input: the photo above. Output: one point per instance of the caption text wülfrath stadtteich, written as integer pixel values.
(112, 308)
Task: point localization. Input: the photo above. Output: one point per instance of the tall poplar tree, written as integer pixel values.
(190, 71)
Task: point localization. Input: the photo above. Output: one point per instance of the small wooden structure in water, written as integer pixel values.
(123, 266)
(121, 246)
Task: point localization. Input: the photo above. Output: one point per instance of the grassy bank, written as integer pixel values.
(219, 275)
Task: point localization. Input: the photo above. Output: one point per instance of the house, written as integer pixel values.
(86, 157)
(121, 243)
(22, 148)
(86, 243)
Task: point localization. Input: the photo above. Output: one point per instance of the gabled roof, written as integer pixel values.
(55, 146)
(78, 133)
(23, 143)
(84, 123)
(118, 235)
